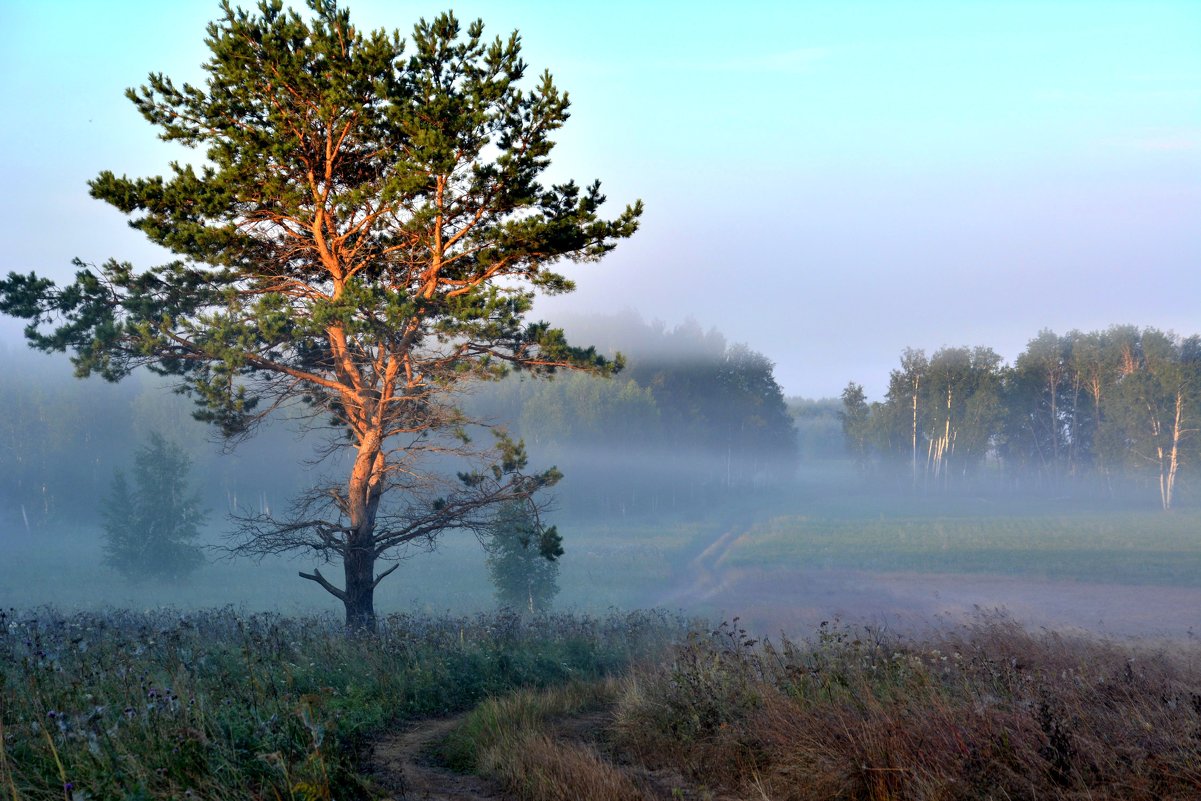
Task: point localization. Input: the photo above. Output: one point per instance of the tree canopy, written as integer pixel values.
(363, 234)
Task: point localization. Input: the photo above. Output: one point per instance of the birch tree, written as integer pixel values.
(1163, 402)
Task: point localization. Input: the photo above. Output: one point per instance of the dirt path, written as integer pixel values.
(401, 765)
(702, 578)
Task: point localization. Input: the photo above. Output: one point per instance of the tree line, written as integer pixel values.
(1108, 411)
(689, 419)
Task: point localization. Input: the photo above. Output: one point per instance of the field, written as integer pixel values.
(1120, 572)
(926, 686)
(1139, 548)
(220, 705)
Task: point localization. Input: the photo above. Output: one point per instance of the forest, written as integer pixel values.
(1110, 413)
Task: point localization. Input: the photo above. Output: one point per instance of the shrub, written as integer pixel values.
(987, 712)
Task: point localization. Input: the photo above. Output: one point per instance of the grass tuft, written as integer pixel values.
(511, 741)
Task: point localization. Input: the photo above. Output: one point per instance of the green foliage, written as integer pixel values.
(855, 417)
(523, 560)
(331, 157)
(149, 529)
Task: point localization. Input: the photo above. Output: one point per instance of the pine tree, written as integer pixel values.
(149, 529)
(362, 237)
(523, 560)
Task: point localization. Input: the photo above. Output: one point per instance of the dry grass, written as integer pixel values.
(986, 712)
(510, 740)
(536, 767)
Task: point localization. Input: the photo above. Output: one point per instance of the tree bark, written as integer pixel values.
(358, 561)
(359, 568)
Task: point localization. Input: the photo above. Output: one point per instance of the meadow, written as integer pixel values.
(1125, 547)
(241, 683)
(226, 705)
(980, 712)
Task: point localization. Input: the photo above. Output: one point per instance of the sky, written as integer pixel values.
(827, 182)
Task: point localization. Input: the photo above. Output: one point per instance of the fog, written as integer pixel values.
(840, 400)
(691, 483)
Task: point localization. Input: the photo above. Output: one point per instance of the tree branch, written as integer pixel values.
(384, 575)
(330, 588)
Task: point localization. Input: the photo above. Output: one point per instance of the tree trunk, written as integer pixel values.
(359, 565)
(914, 431)
(358, 560)
(1174, 453)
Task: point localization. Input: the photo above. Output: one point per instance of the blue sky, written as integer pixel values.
(828, 182)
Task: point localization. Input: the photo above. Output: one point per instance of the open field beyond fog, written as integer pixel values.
(1124, 573)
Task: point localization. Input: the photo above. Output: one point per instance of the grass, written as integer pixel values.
(605, 566)
(224, 705)
(510, 740)
(1148, 548)
(986, 712)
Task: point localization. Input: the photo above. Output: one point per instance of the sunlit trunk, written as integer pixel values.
(1168, 477)
(915, 391)
(358, 561)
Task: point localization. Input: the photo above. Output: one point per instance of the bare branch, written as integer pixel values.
(330, 588)
(384, 575)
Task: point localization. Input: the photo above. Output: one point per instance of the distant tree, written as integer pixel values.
(904, 399)
(1161, 401)
(856, 423)
(818, 423)
(523, 559)
(1100, 361)
(149, 528)
(961, 410)
(1039, 401)
(362, 239)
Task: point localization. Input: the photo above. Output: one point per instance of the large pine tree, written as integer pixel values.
(363, 235)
